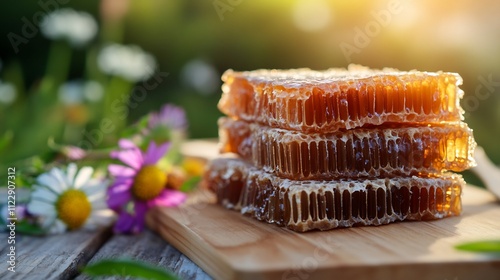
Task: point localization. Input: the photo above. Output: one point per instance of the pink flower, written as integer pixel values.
(73, 153)
(139, 186)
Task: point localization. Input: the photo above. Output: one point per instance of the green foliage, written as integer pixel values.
(190, 184)
(491, 246)
(26, 227)
(131, 268)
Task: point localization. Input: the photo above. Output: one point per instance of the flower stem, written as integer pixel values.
(57, 67)
(116, 103)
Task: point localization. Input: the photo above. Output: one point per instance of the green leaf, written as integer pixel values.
(124, 267)
(25, 227)
(136, 128)
(190, 184)
(491, 246)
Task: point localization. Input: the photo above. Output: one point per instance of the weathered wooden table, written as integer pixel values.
(61, 256)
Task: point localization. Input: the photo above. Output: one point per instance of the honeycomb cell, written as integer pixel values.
(363, 152)
(327, 101)
(324, 205)
(226, 177)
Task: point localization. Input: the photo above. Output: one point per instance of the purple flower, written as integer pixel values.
(170, 116)
(139, 186)
(20, 213)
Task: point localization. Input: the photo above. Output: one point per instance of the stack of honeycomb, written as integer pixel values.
(342, 147)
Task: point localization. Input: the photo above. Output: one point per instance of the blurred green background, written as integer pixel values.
(196, 41)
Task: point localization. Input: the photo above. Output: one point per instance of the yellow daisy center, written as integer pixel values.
(149, 182)
(73, 208)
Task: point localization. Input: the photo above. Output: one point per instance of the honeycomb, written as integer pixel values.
(323, 205)
(335, 99)
(317, 150)
(362, 152)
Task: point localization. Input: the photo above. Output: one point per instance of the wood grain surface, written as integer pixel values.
(52, 257)
(148, 247)
(228, 245)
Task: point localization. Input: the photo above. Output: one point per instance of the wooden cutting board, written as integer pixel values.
(228, 245)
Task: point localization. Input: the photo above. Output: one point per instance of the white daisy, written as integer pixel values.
(76, 27)
(69, 200)
(128, 62)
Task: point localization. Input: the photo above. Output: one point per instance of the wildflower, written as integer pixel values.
(139, 186)
(170, 116)
(128, 62)
(76, 27)
(69, 199)
(20, 213)
(169, 124)
(73, 152)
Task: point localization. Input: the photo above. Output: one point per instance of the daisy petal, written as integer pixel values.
(41, 193)
(70, 173)
(83, 176)
(46, 179)
(60, 178)
(168, 198)
(104, 214)
(48, 221)
(58, 227)
(94, 188)
(120, 170)
(41, 208)
(99, 218)
(98, 202)
(154, 152)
